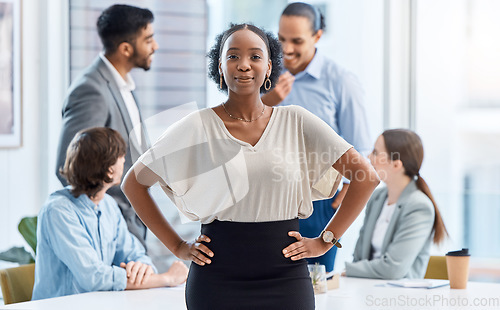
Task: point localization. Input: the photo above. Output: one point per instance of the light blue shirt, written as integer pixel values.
(336, 96)
(80, 246)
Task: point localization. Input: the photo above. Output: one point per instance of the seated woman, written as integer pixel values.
(402, 218)
(83, 241)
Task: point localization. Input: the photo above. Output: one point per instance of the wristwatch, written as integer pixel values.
(329, 237)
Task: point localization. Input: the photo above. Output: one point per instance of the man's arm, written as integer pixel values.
(141, 274)
(92, 274)
(71, 243)
(176, 275)
(85, 107)
(128, 247)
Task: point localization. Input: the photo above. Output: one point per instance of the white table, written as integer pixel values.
(353, 294)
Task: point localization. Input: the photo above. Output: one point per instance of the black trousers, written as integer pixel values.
(248, 270)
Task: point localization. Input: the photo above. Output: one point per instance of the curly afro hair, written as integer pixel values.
(273, 48)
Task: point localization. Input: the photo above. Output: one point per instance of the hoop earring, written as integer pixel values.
(221, 81)
(266, 85)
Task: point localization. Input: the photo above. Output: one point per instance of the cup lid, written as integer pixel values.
(462, 252)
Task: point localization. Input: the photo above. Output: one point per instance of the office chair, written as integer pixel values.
(436, 268)
(17, 283)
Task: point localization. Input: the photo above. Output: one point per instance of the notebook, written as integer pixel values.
(420, 283)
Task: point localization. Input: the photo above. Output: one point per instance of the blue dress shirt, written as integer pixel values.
(335, 95)
(81, 245)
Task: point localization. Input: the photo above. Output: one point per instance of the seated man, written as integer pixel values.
(83, 241)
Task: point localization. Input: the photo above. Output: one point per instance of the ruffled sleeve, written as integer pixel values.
(323, 147)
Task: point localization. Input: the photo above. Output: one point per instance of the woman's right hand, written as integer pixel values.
(196, 251)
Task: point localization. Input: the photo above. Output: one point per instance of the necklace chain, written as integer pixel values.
(243, 119)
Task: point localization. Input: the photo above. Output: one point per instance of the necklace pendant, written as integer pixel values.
(243, 119)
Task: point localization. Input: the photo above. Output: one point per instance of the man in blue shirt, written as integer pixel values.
(332, 93)
(83, 243)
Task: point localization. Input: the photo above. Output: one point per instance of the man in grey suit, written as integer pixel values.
(102, 96)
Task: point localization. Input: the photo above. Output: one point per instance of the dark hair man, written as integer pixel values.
(102, 95)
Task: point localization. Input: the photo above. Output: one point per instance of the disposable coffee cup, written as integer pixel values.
(457, 263)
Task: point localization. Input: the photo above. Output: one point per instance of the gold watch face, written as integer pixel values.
(328, 236)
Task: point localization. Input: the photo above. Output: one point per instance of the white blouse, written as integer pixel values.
(209, 174)
(381, 228)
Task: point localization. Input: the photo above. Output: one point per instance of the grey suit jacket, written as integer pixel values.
(94, 100)
(406, 246)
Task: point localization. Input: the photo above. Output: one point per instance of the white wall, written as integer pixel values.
(441, 48)
(26, 173)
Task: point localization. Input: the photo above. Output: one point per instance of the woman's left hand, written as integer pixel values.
(305, 247)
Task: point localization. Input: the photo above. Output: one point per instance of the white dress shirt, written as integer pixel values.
(126, 87)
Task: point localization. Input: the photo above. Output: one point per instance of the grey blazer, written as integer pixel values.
(406, 246)
(94, 100)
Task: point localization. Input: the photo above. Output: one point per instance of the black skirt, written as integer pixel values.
(249, 270)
